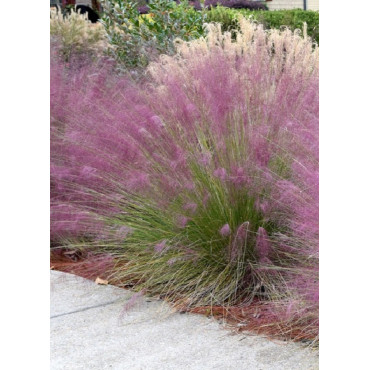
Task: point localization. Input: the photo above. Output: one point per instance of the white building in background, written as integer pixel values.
(292, 4)
(84, 2)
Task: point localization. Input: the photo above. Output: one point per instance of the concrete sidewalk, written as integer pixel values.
(89, 330)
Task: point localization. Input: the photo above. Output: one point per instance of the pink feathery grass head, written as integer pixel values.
(123, 231)
(239, 176)
(206, 199)
(262, 245)
(205, 159)
(160, 246)
(182, 221)
(172, 261)
(189, 185)
(192, 207)
(220, 173)
(225, 230)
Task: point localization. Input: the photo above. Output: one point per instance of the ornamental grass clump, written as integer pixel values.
(202, 181)
(74, 36)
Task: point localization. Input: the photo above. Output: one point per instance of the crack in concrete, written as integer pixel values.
(85, 309)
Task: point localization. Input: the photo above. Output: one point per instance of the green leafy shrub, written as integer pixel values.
(137, 40)
(75, 35)
(294, 19)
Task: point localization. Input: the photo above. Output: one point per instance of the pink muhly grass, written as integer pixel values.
(220, 123)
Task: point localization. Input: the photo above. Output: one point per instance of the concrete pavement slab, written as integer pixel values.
(90, 330)
(72, 293)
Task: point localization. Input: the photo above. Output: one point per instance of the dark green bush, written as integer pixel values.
(293, 19)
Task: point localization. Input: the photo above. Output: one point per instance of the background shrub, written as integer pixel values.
(137, 40)
(294, 19)
(138, 35)
(74, 36)
(236, 4)
(233, 4)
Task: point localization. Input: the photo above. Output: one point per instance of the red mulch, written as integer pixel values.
(86, 265)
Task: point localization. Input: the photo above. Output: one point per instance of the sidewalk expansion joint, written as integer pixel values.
(85, 309)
